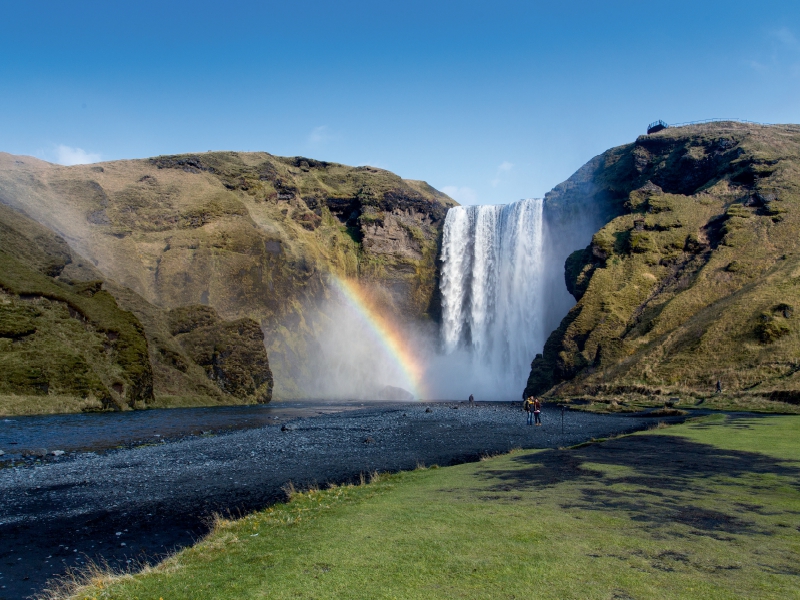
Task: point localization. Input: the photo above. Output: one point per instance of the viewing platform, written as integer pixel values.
(656, 126)
(660, 125)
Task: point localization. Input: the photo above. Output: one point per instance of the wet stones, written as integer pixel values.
(35, 453)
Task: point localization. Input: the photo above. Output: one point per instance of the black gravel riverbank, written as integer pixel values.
(146, 501)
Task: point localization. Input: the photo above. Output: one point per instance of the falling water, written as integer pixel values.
(492, 290)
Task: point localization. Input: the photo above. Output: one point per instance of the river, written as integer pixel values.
(98, 432)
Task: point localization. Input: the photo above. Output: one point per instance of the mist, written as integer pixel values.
(503, 293)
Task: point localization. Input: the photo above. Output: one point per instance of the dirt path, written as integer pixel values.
(144, 502)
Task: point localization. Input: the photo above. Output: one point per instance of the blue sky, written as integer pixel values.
(489, 101)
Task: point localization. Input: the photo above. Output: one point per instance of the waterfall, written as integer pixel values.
(492, 291)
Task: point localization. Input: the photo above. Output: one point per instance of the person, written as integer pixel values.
(471, 401)
(527, 406)
(719, 386)
(537, 411)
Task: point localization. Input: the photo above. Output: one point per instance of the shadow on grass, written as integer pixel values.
(659, 480)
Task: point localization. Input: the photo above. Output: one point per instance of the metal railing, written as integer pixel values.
(718, 121)
(660, 125)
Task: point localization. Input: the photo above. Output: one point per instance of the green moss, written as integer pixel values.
(188, 318)
(680, 309)
(81, 309)
(31, 243)
(372, 218)
(577, 272)
(771, 328)
(233, 355)
(641, 242)
(17, 321)
(249, 234)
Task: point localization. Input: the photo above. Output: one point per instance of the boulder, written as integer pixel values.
(395, 394)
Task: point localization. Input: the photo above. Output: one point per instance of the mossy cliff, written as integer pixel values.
(66, 344)
(250, 234)
(232, 353)
(63, 338)
(696, 277)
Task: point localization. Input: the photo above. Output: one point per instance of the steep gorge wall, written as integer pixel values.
(694, 276)
(71, 341)
(249, 234)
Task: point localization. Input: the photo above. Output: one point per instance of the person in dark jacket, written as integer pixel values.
(527, 406)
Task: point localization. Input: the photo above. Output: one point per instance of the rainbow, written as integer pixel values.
(386, 333)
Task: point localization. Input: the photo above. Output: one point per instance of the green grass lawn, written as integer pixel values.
(709, 509)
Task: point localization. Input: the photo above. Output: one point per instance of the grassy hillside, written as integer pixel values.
(695, 281)
(70, 341)
(602, 520)
(250, 234)
(61, 338)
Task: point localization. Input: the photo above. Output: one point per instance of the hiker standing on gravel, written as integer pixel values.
(471, 401)
(527, 406)
(537, 411)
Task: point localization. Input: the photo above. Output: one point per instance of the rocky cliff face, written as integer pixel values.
(60, 337)
(693, 278)
(232, 353)
(249, 234)
(68, 343)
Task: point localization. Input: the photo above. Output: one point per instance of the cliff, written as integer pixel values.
(68, 343)
(694, 276)
(251, 235)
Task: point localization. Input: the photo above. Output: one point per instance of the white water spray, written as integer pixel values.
(493, 297)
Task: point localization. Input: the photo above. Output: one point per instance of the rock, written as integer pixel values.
(211, 252)
(231, 352)
(1, 453)
(186, 319)
(369, 440)
(429, 410)
(58, 453)
(289, 427)
(395, 394)
(35, 452)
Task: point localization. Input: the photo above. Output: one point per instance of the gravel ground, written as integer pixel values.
(143, 502)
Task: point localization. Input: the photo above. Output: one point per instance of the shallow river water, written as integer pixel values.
(143, 501)
(97, 432)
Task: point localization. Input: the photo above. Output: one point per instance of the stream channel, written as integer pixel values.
(32, 436)
(132, 487)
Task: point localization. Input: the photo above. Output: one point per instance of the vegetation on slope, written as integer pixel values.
(597, 521)
(695, 281)
(250, 234)
(67, 345)
(231, 352)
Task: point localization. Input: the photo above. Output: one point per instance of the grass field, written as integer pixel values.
(19, 405)
(709, 509)
(723, 402)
